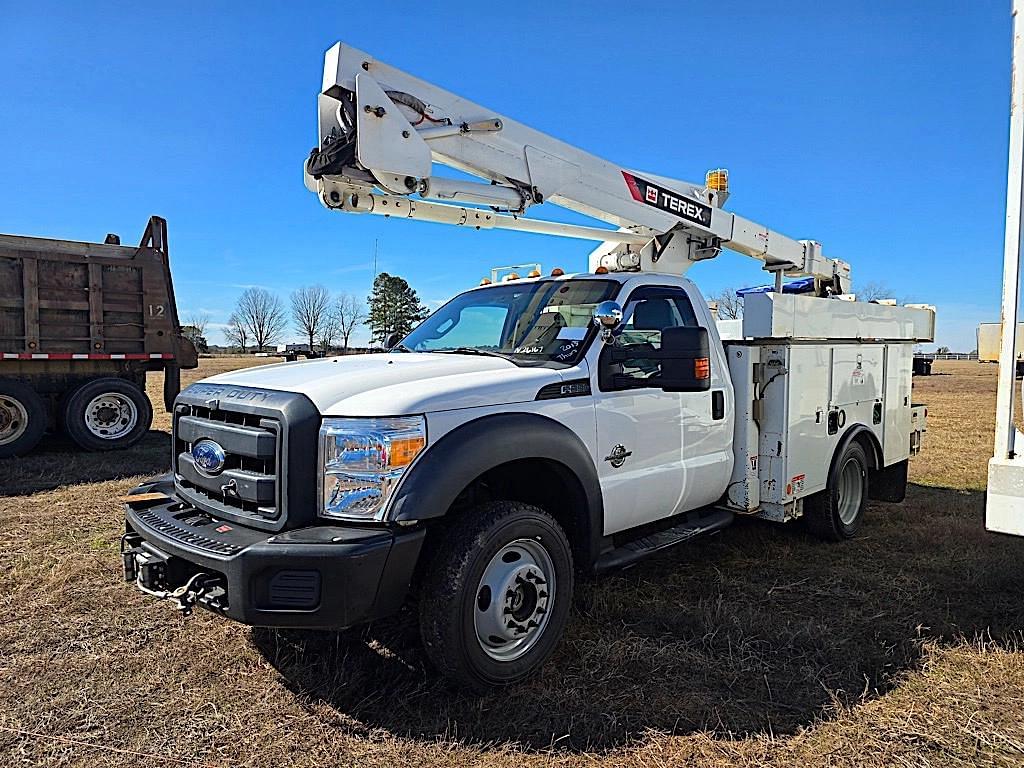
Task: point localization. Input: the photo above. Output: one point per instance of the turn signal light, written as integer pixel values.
(510, 276)
(485, 281)
(534, 273)
(403, 450)
(601, 271)
(702, 368)
(557, 272)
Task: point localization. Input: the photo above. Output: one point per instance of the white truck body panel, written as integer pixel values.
(783, 315)
(990, 337)
(784, 438)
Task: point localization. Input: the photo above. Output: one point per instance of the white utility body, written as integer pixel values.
(530, 427)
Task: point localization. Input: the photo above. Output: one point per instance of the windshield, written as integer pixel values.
(543, 321)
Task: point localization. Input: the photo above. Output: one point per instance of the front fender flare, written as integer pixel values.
(468, 451)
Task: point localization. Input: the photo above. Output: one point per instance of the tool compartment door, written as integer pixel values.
(809, 445)
(858, 377)
(898, 411)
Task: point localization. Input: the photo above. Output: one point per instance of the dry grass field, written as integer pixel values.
(759, 646)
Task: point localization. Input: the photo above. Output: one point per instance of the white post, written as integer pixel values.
(1004, 447)
(1005, 498)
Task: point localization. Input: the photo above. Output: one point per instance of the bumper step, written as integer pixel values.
(697, 523)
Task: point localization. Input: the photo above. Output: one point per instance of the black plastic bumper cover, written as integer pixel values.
(351, 575)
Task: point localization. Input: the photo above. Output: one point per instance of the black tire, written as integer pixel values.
(119, 421)
(452, 596)
(836, 513)
(22, 418)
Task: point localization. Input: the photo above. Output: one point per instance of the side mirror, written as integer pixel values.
(607, 316)
(392, 340)
(685, 359)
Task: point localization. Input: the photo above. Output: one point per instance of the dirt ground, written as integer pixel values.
(759, 646)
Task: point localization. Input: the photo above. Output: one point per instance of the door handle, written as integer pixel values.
(717, 405)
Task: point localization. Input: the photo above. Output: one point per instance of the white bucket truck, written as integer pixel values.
(533, 428)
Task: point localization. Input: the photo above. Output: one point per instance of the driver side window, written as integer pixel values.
(650, 310)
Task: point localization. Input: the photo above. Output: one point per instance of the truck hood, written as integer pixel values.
(399, 383)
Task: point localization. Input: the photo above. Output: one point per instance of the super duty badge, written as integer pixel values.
(687, 208)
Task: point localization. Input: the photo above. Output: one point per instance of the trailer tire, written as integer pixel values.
(837, 512)
(107, 414)
(22, 418)
(496, 595)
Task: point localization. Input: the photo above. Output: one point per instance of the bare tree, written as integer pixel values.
(236, 332)
(348, 313)
(311, 307)
(328, 333)
(262, 315)
(873, 291)
(730, 306)
(198, 320)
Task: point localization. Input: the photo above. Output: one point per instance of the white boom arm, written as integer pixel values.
(381, 131)
(1004, 507)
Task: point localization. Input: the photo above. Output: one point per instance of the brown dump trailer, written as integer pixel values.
(81, 324)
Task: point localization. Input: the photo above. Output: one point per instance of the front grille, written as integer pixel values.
(248, 483)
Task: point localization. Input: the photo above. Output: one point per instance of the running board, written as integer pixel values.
(697, 523)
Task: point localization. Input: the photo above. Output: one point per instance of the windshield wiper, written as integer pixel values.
(401, 348)
(474, 351)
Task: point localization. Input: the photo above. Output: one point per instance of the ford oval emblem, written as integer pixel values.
(208, 456)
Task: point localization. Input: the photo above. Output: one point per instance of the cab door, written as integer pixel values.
(658, 453)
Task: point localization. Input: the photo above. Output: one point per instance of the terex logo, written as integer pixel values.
(679, 205)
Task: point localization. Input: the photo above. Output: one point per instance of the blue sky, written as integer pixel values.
(878, 128)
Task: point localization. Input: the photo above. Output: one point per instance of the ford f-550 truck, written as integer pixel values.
(531, 429)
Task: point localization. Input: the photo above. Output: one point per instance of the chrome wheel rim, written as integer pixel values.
(111, 415)
(13, 419)
(851, 490)
(514, 599)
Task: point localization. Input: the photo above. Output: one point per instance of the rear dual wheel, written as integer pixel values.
(22, 418)
(107, 414)
(837, 512)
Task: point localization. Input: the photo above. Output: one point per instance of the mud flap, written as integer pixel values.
(172, 384)
(890, 483)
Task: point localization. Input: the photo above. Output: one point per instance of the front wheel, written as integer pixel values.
(496, 595)
(107, 414)
(837, 512)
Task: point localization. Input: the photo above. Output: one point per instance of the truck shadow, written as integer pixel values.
(57, 461)
(760, 629)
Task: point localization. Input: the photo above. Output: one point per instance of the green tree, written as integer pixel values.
(394, 307)
(193, 334)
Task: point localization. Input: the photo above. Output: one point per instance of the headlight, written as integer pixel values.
(361, 461)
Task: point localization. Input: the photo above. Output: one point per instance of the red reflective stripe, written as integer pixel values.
(82, 356)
